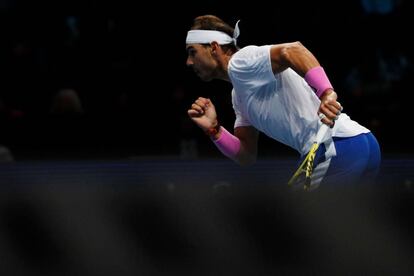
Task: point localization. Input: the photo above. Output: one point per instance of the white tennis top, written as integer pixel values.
(282, 105)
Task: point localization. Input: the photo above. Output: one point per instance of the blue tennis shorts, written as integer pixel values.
(357, 160)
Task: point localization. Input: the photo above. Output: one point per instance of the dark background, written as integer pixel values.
(126, 65)
(112, 178)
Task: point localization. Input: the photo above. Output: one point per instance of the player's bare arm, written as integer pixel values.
(248, 137)
(293, 55)
(296, 56)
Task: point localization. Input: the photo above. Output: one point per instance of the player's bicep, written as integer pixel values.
(293, 55)
(278, 62)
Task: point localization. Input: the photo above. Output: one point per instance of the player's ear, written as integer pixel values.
(214, 46)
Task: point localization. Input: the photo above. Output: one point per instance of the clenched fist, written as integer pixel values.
(203, 113)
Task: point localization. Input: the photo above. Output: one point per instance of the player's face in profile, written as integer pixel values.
(200, 60)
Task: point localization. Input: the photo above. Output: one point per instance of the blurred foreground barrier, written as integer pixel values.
(204, 217)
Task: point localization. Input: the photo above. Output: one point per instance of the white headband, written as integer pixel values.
(208, 36)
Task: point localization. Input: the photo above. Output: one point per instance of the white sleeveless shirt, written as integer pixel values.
(282, 105)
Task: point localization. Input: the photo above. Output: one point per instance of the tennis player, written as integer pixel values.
(282, 91)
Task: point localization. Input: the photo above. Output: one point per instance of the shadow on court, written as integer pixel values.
(202, 217)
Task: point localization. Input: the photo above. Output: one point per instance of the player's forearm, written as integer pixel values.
(233, 147)
(303, 62)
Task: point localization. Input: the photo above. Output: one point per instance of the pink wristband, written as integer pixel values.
(318, 80)
(227, 143)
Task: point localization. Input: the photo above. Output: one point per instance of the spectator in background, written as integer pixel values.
(67, 102)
